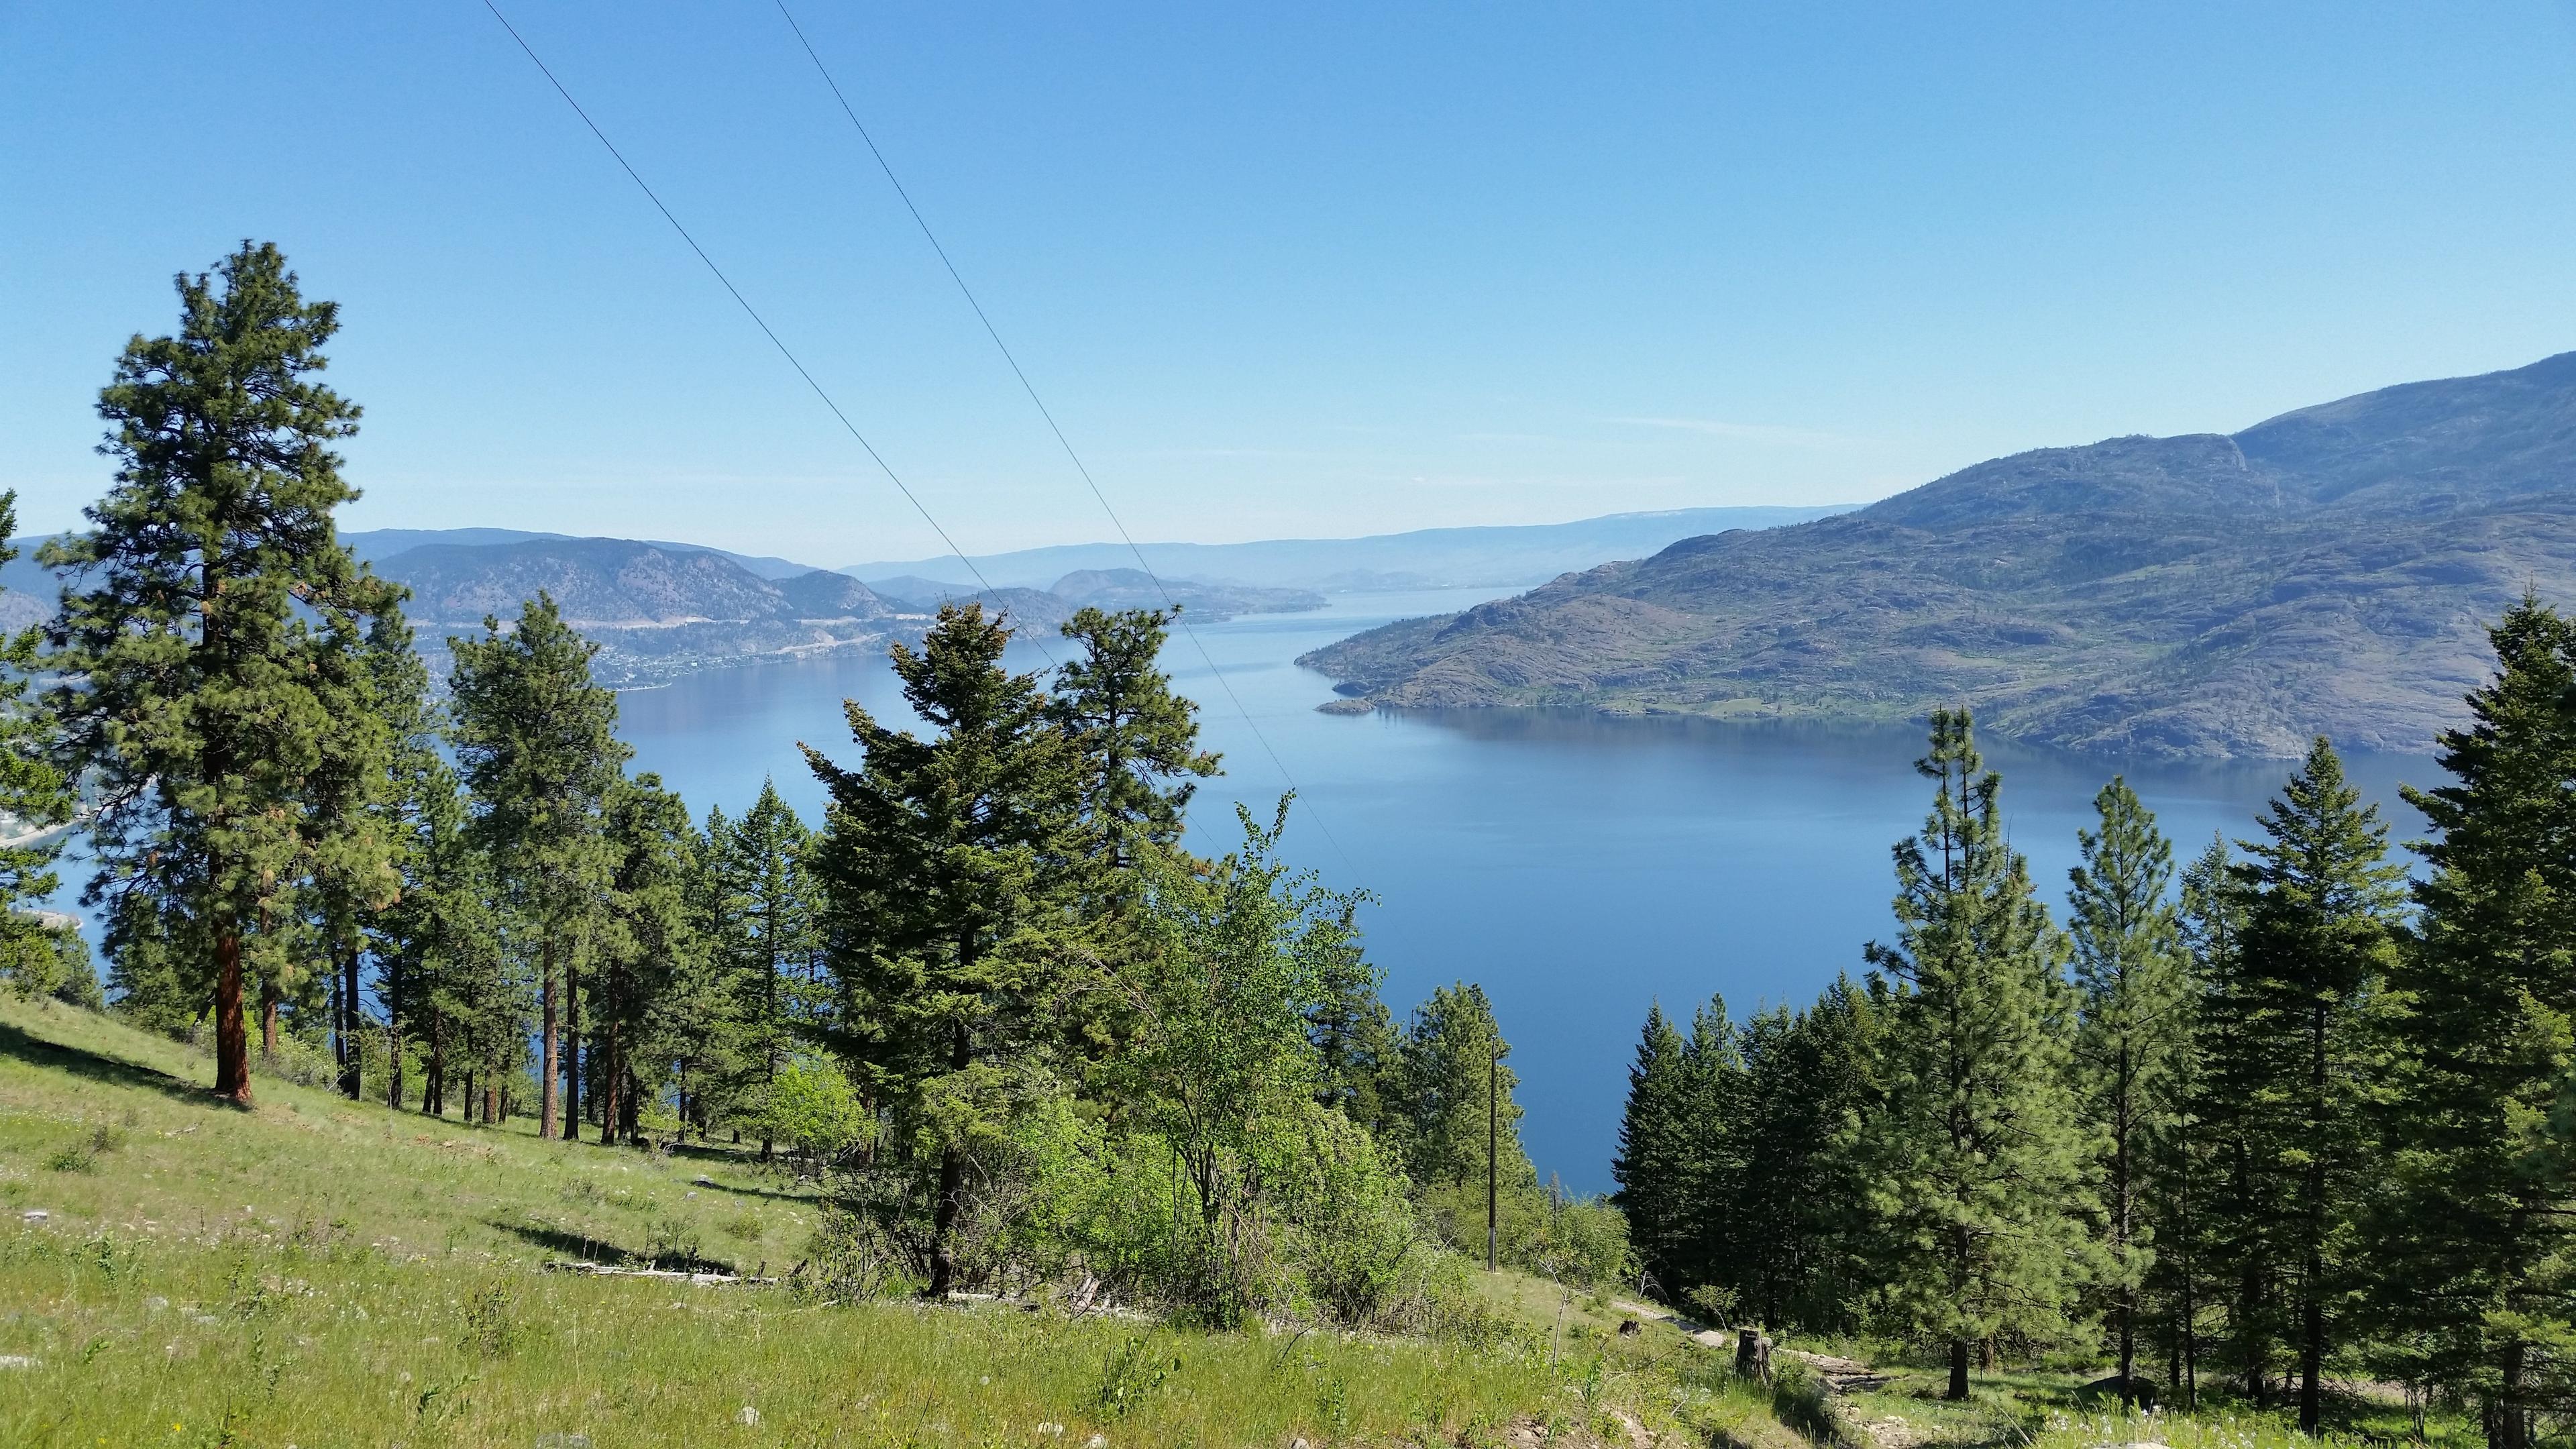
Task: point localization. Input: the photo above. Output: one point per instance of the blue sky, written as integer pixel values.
(1330, 270)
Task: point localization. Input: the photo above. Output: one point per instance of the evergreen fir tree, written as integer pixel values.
(1718, 1240)
(1979, 1161)
(2132, 1023)
(2320, 935)
(1808, 1238)
(2476, 1240)
(1138, 740)
(773, 944)
(1651, 1167)
(352, 873)
(439, 946)
(537, 745)
(34, 798)
(2188, 1152)
(647, 946)
(943, 862)
(399, 682)
(198, 633)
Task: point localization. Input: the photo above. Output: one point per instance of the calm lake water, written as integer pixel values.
(1579, 867)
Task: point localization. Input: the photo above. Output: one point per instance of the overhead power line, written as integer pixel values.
(750, 311)
(1079, 467)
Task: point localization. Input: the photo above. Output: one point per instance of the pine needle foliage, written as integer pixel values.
(2133, 1028)
(1979, 1163)
(2474, 1242)
(2322, 906)
(206, 619)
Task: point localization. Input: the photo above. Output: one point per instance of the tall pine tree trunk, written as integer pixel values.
(609, 1084)
(2508, 1424)
(1958, 1369)
(350, 1060)
(549, 1078)
(572, 1053)
(268, 1020)
(232, 1044)
(2312, 1288)
(433, 1092)
(393, 1038)
(952, 1189)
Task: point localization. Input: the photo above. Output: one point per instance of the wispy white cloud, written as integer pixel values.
(1744, 432)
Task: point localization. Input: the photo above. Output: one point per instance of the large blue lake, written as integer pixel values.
(1578, 867)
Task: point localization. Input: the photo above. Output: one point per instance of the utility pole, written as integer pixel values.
(1493, 1136)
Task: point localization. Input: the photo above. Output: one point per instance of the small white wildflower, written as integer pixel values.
(1052, 1431)
(746, 1416)
(16, 1361)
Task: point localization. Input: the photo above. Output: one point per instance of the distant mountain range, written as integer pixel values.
(2330, 570)
(1430, 558)
(660, 609)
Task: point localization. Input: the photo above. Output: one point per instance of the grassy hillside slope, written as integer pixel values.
(322, 1272)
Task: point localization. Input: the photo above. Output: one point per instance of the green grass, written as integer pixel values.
(2049, 1409)
(321, 1272)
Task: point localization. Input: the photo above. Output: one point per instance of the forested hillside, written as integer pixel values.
(2262, 1128)
(2327, 571)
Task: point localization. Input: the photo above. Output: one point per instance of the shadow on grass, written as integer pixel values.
(99, 1067)
(582, 1248)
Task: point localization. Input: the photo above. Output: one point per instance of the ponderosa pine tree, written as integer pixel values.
(2474, 1244)
(944, 863)
(1978, 1161)
(537, 745)
(1449, 1079)
(196, 619)
(2132, 1026)
(1138, 740)
(2320, 935)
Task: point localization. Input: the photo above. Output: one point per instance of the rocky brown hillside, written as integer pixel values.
(655, 612)
(2327, 571)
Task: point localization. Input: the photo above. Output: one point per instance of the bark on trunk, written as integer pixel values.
(609, 1085)
(268, 1020)
(549, 1082)
(952, 1182)
(1958, 1369)
(2509, 1425)
(943, 1223)
(350, 1066)
(572, 1053)
(232, 1045)
(393, 1039)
